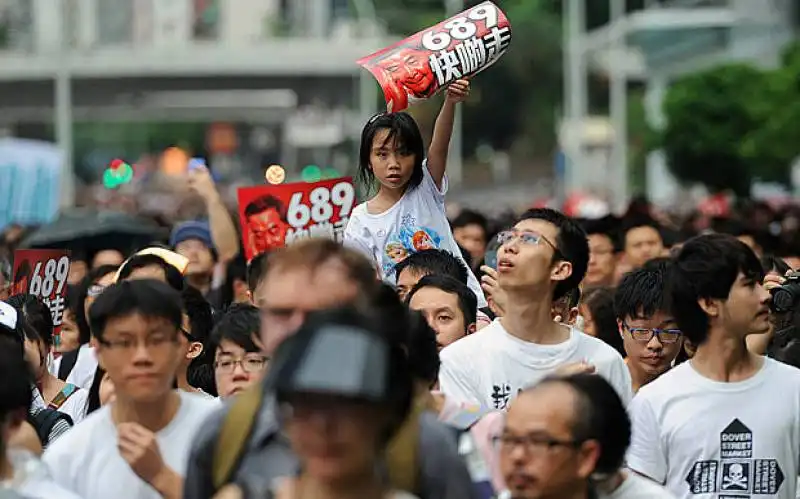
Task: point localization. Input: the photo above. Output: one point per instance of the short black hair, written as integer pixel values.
(637, 221)
(471, 217)
(607, 226)
(15, 380)
(434, 262)
(174, 276)
(403, 129)
(422, 349)
(237, 324)
(571, 243)
(772, 263)
(640, 293)
(148, 297)
(467, 301)
(257, 270)
(236, 270)
(263, 204)
(198, 310)
(599, 415)
(707, 266)
(37, 315)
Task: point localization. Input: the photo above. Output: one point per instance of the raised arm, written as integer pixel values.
(458, 91)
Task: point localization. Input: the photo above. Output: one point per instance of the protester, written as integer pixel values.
(651, 337)
(543, 257)
(242, 440)
(366, 399)
(449, 306)
(427, 262)
(19, 470)
(57, 395)
(643, 241)
(599, 320)
(724, 391)
(602, 252)
(471, 232)
(136, 446)
(407, 213)
(238, 361)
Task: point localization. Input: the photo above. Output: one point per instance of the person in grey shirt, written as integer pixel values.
(312, 275)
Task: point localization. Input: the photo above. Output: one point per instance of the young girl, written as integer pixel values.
(407, 214)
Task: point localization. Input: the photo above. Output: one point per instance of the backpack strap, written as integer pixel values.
(68, 361)
(233, 436)
(62, 396)
(43, 422)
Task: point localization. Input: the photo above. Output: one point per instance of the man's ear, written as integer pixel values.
(472, 328)
(561, 271)
(710, 306)
(195, 349)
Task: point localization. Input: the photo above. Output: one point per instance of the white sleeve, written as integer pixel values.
(620, 378)
(430, 186)
(456, 383)
(354, 238)
(646, 455)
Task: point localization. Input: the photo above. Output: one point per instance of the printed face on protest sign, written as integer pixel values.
(43, 273)
(272, 216)
(423, 64)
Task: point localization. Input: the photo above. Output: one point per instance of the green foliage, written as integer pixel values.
(708, 115)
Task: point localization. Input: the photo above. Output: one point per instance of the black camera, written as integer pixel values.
(785, 296)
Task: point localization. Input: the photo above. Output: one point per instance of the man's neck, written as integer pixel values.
(639, 377)
(725, 358)
(154, 415)
(201, 282)
(531, 320)
(183, 381)
(357, 488)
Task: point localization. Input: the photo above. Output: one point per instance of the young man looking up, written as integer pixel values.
(543, 257)
(727, 422)
(649, 333)
(137, 446)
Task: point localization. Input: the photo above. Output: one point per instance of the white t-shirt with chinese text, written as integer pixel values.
(706, 439)
(491, 366)
(87, 462)
(415, 223)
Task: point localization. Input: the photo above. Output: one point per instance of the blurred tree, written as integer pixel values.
(775, 144)
(709, 114)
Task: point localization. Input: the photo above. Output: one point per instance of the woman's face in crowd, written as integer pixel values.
(69, 337)
(95, 289)
(335, 439)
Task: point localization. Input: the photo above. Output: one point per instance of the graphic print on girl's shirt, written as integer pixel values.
(411, 238)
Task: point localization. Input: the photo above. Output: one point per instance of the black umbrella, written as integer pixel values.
(96, 229)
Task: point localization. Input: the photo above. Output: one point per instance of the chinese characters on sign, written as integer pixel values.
(278, 215)
(422, 64)
(43, 273)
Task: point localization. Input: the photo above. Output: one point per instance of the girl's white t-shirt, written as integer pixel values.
(415, 223)
(87, 462)
(706, 439)
(491, 366)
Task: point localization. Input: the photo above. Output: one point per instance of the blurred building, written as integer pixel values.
(666, 39)
(280, 75)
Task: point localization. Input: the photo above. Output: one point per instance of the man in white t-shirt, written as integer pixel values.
(543, 257)
(566, 437)
(725, 424)
(137, 446)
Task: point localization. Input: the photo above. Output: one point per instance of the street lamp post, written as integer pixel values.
(63, 114)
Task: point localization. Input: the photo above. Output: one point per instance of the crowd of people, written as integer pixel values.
(543, 356)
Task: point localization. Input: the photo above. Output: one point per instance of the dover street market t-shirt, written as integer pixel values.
(491, 366)
(86, 460)
(417, 222)
(706, 439)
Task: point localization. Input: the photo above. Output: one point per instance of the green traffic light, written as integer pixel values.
(311, 173)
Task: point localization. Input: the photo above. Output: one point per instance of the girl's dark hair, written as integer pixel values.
(93, 400)
(173, 275)
(94, 275)
(403, 130)
(37, 316)
(600, 302)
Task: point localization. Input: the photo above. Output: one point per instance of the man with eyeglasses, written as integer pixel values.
(650, 335)
(138, 445)
(540, 260)
(238, 361)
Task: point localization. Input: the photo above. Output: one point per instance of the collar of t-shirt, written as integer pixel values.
(537, 355)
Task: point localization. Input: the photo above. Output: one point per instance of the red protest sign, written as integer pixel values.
(422, 64)
(272, 216)
(43, 273)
